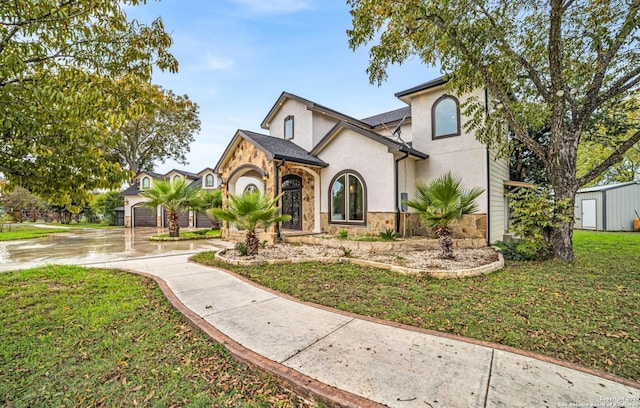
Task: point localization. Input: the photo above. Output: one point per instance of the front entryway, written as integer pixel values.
(292, 201)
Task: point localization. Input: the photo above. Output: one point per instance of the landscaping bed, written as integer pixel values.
(467, 262)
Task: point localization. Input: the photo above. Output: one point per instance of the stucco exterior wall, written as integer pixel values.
(352, 151)
(322, 124)
(302, 123)
(463, 155)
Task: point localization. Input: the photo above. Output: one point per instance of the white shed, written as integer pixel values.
(608, 208)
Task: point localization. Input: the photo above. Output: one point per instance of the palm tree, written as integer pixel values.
(250, 211)
(173, 196)
(442, 201)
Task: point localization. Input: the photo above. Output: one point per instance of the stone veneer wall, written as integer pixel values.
(244, 153)
(376, 223)
(471, 226)
(308, 186)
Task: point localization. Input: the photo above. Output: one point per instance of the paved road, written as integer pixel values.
(86, 246)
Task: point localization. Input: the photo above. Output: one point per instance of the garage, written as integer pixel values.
(144, 217)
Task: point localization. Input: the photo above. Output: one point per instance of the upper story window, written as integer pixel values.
(347, 199)
(288, 127)
(445, 117)
(208, 181)
(146, 182)
(176, 178)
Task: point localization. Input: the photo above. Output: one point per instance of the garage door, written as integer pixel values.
(183, 219)
(203, 221)
(144, 217)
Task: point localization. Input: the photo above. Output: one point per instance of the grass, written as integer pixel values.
(584, 312)
(27, 231)
(74, 336)
(197, 234)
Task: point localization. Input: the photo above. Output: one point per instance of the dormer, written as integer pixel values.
(180, 174)
(145, 179)
(209, 179)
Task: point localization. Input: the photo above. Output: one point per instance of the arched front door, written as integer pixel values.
(292, 201)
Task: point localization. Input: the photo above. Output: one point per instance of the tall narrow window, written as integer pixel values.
(445, 117)
(348, 199)
(288, 127)
(176, 178)
(145, 182)
(208, 181)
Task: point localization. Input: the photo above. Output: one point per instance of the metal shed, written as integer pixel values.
(608, 208)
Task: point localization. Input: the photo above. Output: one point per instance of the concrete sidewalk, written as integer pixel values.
(358, 362)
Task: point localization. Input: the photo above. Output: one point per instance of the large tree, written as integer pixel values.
(163, 129)
(555, 63)
(60, 63)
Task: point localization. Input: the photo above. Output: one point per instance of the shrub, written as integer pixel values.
(534, 214)
(388, 235)
(343, 234)
(242, 248)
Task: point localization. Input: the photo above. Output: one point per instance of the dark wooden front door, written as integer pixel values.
(292, 201)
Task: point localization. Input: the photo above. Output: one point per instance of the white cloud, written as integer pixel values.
(216, 62)
(275, 6)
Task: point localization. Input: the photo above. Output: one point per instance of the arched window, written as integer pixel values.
(176, 178)
(347, 199)
(250, 188)
(208, 181)
(445, 117)
(288, 127)
(146, 182)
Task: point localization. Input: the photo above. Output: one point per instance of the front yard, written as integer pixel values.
(73, 336)
(585, 312)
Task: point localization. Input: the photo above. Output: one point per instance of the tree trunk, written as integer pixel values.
(446, 242)
(562, 174)
(174, 224)
(252, 242)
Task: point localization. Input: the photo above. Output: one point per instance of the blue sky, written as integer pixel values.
(237, 56)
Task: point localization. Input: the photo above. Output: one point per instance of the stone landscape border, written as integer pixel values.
(437, 273)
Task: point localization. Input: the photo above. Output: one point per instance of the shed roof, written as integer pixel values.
(607, 187)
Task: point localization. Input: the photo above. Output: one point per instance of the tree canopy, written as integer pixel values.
(554, 64)
(61, 63)
(163, 129)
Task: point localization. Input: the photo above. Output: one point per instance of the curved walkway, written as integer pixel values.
(349, 360)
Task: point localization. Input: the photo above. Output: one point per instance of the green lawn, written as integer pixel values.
(187, 235)
(586, 312)
(74, 336)
(26, 231)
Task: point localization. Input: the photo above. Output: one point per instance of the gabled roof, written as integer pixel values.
(422, 87)
(312, 106)
(151, 174)
(274, 148)
(205, 171)
(392, 145)
(131, 190)
(388, 117)
(184, 173)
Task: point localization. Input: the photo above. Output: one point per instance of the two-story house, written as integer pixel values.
(337, 172)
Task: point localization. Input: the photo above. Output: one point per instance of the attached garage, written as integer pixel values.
(608, 208)
(144, 217)
(203, 221)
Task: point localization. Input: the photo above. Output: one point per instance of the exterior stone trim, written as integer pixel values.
(440, 274)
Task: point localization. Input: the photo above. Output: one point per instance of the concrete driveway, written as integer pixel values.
(87, 246)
